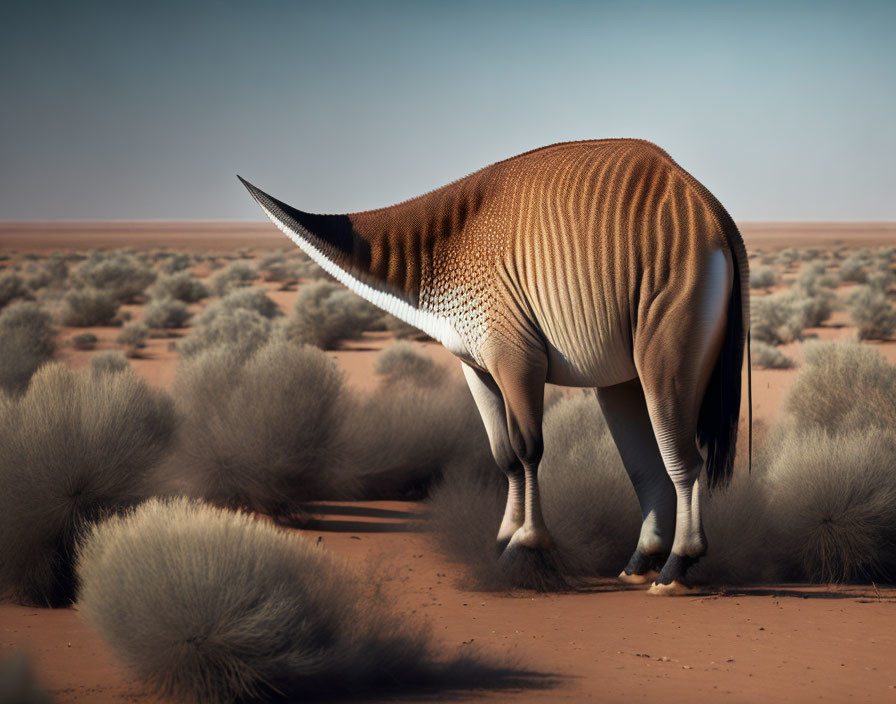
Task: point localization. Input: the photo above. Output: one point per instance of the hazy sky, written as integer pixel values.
(147, 110)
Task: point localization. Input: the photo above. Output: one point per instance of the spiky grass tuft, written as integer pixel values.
(74, 447)
(211, 606)
(834, 502)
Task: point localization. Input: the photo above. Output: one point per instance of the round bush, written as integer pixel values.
(210, 606)
(26, 342)
(263, 433)
(74, 447)
(833, 498)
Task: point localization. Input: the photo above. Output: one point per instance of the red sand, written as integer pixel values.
(608, 644)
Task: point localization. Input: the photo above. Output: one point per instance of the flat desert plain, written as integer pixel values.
(604, 642)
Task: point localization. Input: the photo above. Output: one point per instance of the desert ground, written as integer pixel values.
(602, 641)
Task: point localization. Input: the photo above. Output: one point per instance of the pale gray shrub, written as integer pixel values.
(133, 336)
(12, 286)
(166, 313)
(26, 342)
(108, 362)
(119, 275)
(251, 298)
(237, 274)
(176, 262)
(181, 285)
(84, 341)
(873, 314)
(765, 356)
(843, 386)
(853, 268)
(89, 306)
(263, 433)
(762, 278)
(402, 361)
(834, 502)
(242, 331)
(205, 605)
(326, 314)
(74, 447)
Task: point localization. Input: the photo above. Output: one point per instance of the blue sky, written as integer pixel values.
(136, 110)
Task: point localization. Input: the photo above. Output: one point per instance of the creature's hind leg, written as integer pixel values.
(491, 407)
(626, 414)
(675, 356)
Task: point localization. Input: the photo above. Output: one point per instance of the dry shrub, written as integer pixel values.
(166, 313)
(781, 318)
(762, 278)
(17, 682)
(211, 606)
(588, 500)
(834, 502)
(119, 275)
(237, 274)
(853, 268)
(181, 286)
(262, 433)
(402, 361)
(766, 356)
(108, 363)
(240, 330)
(73, 447)
(51, 272)
(872, 313)
(89, 306)
(26, 342)
(253, 299)
(133, 336)
(326, 314)
(175, 262)
(402, 437)
(84, 341)
(11, 287)
(843, 385)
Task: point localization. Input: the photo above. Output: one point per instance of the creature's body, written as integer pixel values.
(598, 264)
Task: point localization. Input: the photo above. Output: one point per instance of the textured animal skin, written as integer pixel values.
(596, 264)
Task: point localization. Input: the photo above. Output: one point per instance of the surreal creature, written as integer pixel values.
(597, 264)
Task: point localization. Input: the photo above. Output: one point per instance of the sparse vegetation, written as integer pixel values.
(263, 433)
(402, 361)
(242, 331)
(237, 274)
(89, 306)
(843, 386)
(401, 438)
(11, 287)
(253, 299)
(133, 337)
(26, 342)
(108, 362)
(834, 502)
(326, 314)
(181, 286)
(766, 356)
(853, 268)
(74, 447)
(873, 314)
(84, 341)
(166, 313)
(762, 278)
(211, 606)
(119, 275)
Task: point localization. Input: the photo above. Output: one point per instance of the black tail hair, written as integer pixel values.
(720, 410)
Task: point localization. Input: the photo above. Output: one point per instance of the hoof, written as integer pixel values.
(532, 568)
(638, 579)
(674, 588)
